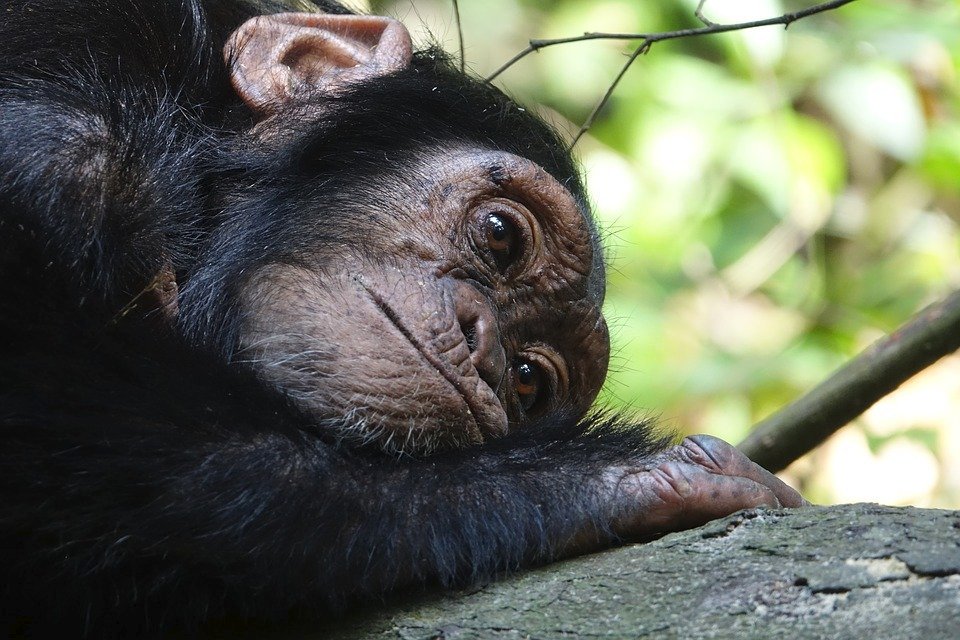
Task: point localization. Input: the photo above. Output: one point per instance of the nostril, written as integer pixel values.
(478, 323)
(470, 334)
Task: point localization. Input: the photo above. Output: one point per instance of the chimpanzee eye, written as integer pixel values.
(502, 238)
(529, 383)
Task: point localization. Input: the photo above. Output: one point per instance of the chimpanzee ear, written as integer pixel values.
(276, 58)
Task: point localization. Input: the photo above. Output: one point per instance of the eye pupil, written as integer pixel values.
(525, 374)
(498, 229)
(501, 237)
(527, 380)
(498, 235)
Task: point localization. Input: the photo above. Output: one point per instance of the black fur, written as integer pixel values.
(146, 483)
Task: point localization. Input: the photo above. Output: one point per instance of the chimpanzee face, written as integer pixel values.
(465, 312)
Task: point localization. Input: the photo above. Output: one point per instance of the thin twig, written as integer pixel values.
(649, 38)
(456, 17)
(699, 13)
(643, 48)
(802, 425)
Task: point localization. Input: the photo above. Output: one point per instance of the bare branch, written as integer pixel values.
(649, 38)
(699, 13)
(643, 48)
(456, 18)
(802, 425)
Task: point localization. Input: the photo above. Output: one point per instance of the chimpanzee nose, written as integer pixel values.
(479, 325)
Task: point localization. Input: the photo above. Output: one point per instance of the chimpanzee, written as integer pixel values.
(291, 316)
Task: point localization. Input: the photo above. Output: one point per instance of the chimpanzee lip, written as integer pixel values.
(442, 367)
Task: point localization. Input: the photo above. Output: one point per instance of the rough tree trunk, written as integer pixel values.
(849, 571)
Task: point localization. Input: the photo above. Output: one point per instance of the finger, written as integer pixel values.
(728, 460)
(679, 495)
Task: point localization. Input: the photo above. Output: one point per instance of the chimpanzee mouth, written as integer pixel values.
(483, 427)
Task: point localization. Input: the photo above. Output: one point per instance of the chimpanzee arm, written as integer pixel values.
(257, 526)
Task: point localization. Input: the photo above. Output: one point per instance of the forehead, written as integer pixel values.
(431, 106)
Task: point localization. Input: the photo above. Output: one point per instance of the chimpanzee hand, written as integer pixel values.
(700, 479)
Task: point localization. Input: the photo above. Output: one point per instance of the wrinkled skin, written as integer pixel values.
(699, 480)
(413, 380)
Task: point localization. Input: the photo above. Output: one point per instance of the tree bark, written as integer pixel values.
(847, 571)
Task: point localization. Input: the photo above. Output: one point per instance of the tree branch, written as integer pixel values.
(649, 38)
(802, 425)
(699, 13)
(643, 48)
(456, 18)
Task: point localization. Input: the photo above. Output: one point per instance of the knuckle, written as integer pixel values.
(693, 450)
(670, 484)
(712, 453)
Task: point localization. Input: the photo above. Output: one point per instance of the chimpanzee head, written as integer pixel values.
(401, 248)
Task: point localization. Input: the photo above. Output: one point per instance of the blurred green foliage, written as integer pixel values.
(774, 200)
